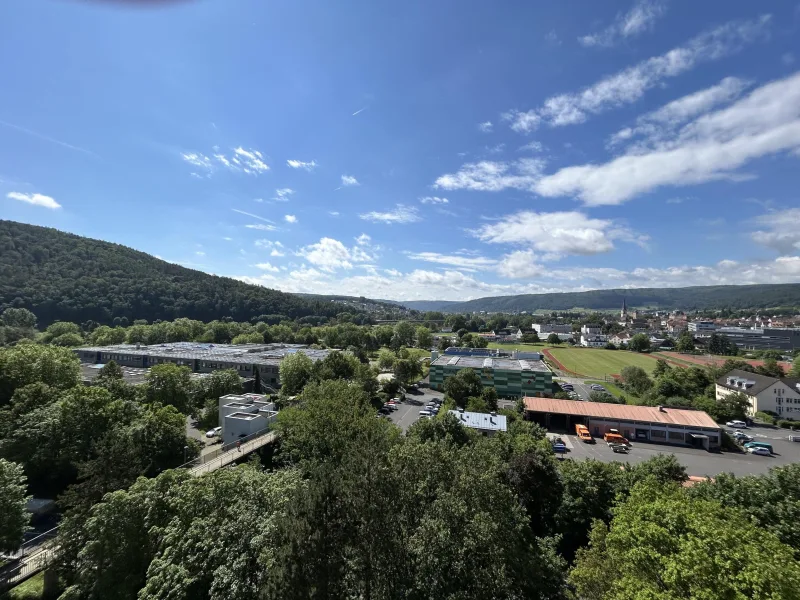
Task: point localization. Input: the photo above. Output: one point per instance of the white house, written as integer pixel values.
(781, 396)
(592, 336)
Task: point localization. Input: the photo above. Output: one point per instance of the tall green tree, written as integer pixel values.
(661, 544)
(639, 343)
(636, 380)
(24, 364)
(295, 371)
(424, 338)
(13, 515)
(21, 318)
(463, 385)
(553, 339)
(170, 384)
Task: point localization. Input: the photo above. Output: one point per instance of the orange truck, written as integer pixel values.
(583, 433)
(615, 438)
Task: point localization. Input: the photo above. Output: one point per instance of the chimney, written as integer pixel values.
(661, 408)
(493, 413)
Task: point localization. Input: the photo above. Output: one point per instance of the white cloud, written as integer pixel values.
(657, 124)
(249, 161)
(636, 21)
(434, 200)
(453, 284)
(331, 255)
(401, 214)
(35, 199)
(299, 164)
(521, 264)
(533, 146)
(712, 147)
(552, 38)
(200, 253)
(780, 230)
(363, 239)
(228, 239)
(333, 213)
(276, 248)
(557, 233)
(197, 159)
(629, 85)
(267, 267)
(283, 194)
(349, 180)
(261, 227)
(459, 261)
(491, 176)
(290, 218)
(486, 127)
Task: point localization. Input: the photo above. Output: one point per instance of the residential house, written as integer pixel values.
(780, 396)
(592, 336)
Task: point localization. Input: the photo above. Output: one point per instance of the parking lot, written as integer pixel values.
(697, 462)
(408, 413)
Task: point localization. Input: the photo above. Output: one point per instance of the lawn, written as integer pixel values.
(29, 590)
(597, 362)
(615, 390)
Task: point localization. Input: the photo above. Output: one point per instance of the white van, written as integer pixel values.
(425, 413)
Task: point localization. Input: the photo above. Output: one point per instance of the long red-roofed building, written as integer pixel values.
(661, 425)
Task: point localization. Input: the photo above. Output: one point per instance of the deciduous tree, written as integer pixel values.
(13, 515)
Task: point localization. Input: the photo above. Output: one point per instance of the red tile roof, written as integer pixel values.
(623, 412)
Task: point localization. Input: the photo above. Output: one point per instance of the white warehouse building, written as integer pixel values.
(241, 415)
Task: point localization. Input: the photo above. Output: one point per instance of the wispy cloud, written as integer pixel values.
(349, 180)
(299, 164)
(241, 160)
(35, 199)
(779, 231)
(657, 124)
(434, 200)
(629, 85)
(453, 260)
(552, 38)
(265, 266)
(359, 111)
(241, 212)
(333, 213)
(46, 138)
(283, 194)
(532, 146)
(488, 176)
(486, 127)
(290, 218)
(401, 214)
(261, 227)
(712, 147)
(363, 239)
(636, 21)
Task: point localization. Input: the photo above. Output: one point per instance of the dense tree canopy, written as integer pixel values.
(13, 515)
(64, 277)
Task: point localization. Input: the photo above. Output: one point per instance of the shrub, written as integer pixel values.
(765, 418)
(787, 424)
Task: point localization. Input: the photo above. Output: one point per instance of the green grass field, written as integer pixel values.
(615, 390)
(596, 362)
(30, 590)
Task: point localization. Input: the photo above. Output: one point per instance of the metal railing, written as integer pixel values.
(33, 556)
(208, 457)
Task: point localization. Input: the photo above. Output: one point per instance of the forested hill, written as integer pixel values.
(64, 277)
(688, 298)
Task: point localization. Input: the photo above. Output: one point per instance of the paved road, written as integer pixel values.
(697, 462)
(408, 413)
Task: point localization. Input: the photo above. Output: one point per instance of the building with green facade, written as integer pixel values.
(511, 378)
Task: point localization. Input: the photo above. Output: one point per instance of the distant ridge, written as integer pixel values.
(687, 298)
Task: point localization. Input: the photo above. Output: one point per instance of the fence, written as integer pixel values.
(33, 556)
(216, 454)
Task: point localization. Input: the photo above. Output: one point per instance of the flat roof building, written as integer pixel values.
(661, 425)
(766, 338)
(511, 378)
(241, 415)
(202, 358)
(487, 424)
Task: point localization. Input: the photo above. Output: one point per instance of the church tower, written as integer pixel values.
(624, 312)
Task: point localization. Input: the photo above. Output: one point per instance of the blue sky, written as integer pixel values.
(413, 150)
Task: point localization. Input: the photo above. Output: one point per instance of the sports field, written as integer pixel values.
(597, 362)
(523, 347)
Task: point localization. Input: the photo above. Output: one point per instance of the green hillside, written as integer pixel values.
(688, 298)
(65, 277)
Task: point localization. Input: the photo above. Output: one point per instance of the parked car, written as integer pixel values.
(212, 433)
(598, 388)
(758, 450)
(426, 412)
(384, 410)
(567, 386)
(742, 436)
(736, 424)
(559, 447)
(621, 448)
(765, 445)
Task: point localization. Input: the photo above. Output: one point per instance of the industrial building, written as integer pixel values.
(487, 425)
(243, 415)
(766, 338)
(247, 359)
(511, 378)
(637, 423)
(701, 328)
